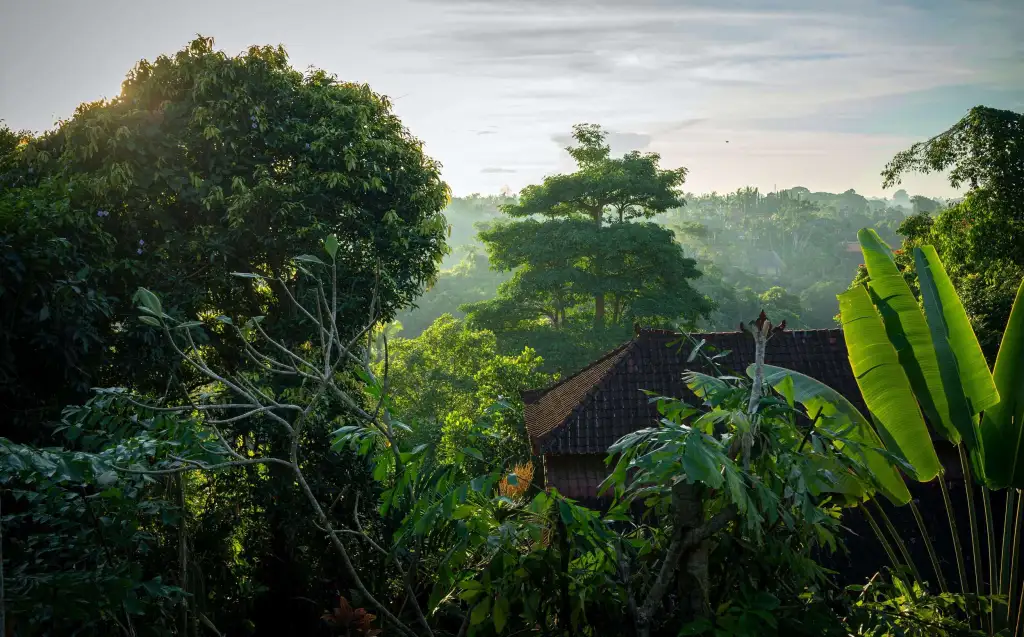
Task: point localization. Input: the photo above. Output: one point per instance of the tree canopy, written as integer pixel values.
(978, 238)
(204, 164)
(608, 193)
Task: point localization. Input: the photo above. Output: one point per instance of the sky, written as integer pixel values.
(773, 94)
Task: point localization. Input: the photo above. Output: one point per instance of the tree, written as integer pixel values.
(206, 164)
(922, 204)
(449, 379)
(978, 238)
(587, 237)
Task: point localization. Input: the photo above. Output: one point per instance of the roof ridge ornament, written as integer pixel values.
(759, 326)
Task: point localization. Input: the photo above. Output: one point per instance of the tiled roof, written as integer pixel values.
(589, 411)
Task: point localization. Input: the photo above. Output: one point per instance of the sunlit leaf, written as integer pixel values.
(1002, 428)
(952, 332)
(908, 332)
(821, 400)
(884, 385)
(331, 246)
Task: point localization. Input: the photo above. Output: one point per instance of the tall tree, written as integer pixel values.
(977, 238)
(204, 164)
(581, 239)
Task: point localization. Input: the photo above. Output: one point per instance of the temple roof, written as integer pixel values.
(590, 410)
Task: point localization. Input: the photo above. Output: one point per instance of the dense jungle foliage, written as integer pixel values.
(261, 375)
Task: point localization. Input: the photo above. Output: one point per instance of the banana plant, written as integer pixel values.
(919, 362)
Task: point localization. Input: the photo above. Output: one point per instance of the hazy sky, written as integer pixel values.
(819, 93)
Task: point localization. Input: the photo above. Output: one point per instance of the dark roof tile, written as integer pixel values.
(589, 411)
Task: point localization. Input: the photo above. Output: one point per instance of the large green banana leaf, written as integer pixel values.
(816, 396)
(966, 378)
(885, 386)
(908, 332)
(1002, 428)
(952, 333)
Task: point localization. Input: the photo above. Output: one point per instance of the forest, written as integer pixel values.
(261, 374)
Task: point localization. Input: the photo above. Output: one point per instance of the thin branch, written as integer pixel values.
(192, 465)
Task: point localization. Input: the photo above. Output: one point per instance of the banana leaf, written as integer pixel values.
(885, 386)
(817, 397)
(908, 332)
(950, 323)
(966, 378)
(1002, 428)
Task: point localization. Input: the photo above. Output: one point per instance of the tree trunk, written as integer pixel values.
(687, 515)
(688, 507)
(598, 297)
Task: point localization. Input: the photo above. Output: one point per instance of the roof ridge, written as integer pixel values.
(533, 395)
(644, 331)
(589, 396)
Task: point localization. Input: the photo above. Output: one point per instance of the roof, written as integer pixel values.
(588, 411)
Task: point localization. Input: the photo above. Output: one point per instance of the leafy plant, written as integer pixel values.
(912, 359)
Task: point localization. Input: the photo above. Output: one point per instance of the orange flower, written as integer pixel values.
(347, 620)
(524, 476)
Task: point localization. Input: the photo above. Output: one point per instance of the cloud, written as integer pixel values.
(619, 142)
(741, 56)
(498, 171)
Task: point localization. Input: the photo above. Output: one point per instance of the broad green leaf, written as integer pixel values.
(331, 246)
(819, 398)
(500, 614)
(247, 275)
(309, 258)
(149, 301)
(480, 612)
(884, 385)
(908, 332)
(955, 342)
(1002, 428)
(149, 320)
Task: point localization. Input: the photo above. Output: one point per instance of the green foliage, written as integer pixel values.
(603, 188)
(899, 608)
(962, 380)
(83, 550)
(860, 440)
(451, 380)
(976, 238)
(56, 304)
(203, 165)
(884, 385)
(1003, 422)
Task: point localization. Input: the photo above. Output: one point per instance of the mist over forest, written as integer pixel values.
(788, 252)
